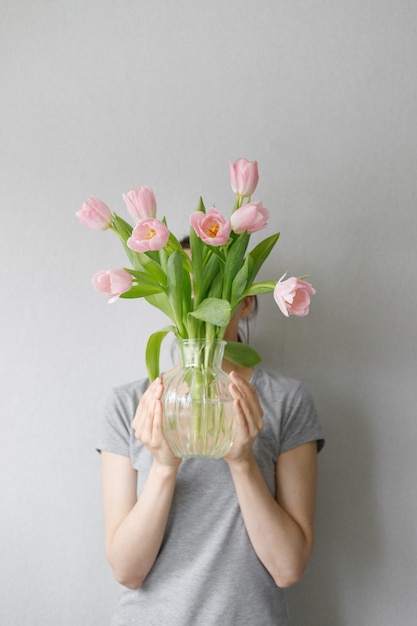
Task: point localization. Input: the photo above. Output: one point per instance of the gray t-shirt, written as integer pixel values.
(207, 572)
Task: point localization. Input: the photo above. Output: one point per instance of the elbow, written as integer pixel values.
(134, 585)
(123, 573)
(126, 577)
(287, 579)
(128, 581)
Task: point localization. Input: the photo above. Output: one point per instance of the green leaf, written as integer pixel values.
(215, 250)
(216, 286)
(176, 279)
(211, 269)
(153, 268)
(123, 229)
(213, 311)
(152, 254)
(173, 244)
(240, 281)
(201, 206)
(234, 261)
(142, 276)
(142, 290)
(187, 303)
(196, 248)
(186, 261)
(146, 285)
(241, 354)
(161, 302)
(259, 288)
(261, 252)
(153, 351)
(162, 259)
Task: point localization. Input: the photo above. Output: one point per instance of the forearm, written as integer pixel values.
(134, 546)
(279, 542)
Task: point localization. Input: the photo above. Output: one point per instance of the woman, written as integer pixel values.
(204, 542)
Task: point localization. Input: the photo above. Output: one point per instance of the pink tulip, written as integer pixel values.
(211, 227)
(94, 214)
(140, 203)
(244, 177)
(112, 282)
(293, 296)
(251, 217)
(148, 234)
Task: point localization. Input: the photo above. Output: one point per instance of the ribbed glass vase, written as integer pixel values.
(198, 407)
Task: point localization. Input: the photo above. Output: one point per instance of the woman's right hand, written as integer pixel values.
(147, 425)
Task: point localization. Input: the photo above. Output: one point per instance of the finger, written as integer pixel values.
(157, 422)
(248, 394)
(238, 393)
(157, 388)
(154, 391)
(142, 424)
(240, 416)
(247, 410)
(241, 386)
(238, 378)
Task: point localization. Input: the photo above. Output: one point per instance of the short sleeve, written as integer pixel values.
(119, 412)
(301, 423)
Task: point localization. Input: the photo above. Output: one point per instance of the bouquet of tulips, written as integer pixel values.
(199, 291)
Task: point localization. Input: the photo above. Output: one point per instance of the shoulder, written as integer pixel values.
(119, 411)
(289, 409)
(129, 393)
(271, 385)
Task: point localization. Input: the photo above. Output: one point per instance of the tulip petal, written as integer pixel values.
(94, 214)
(293, 296)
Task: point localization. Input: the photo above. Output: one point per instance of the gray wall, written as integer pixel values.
(99, 97)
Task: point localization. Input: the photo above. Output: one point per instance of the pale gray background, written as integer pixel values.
(99, 97)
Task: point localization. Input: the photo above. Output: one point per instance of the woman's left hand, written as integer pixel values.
(248, 418)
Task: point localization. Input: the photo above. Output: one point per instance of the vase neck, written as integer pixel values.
(201, 352)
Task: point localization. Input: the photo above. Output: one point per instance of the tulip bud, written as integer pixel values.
(94, 214)
(244, 177)
(293, 296)
(251, 217)
(140, 203)
(112, 282)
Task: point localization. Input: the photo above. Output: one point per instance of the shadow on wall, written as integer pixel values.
(348, 547)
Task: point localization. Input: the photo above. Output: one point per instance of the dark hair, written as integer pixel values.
(185, 242)
(244, 324)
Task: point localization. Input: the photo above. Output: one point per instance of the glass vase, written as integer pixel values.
(198, 408)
